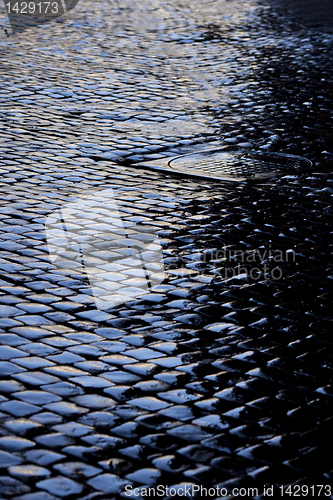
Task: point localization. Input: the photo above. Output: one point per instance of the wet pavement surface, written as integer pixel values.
(220, 377)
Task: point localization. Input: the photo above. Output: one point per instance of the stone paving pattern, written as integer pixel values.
(208, 380)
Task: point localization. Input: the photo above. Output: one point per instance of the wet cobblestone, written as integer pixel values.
(213, 379)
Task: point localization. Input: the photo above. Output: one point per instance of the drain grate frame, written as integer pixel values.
(230, 164)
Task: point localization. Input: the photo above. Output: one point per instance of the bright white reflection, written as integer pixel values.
(122, 259)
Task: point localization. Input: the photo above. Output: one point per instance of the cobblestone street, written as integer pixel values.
(216, 378)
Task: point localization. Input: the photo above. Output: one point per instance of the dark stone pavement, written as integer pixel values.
(306, 12)
(215, 379)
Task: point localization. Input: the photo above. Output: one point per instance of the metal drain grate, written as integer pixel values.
(231, 165)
